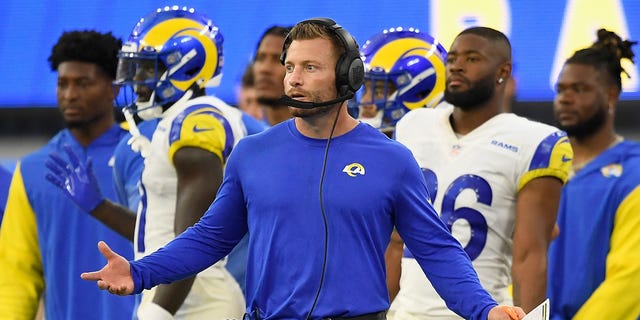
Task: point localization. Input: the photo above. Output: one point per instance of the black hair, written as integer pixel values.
(87, 46)
(605, 55)
(492, 35)
(275, 30)
(247, 76)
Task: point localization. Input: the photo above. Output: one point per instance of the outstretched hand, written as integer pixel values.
(115, 276)
(506, 313)
(75, 178)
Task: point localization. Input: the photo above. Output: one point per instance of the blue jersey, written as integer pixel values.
(594, 263)
(46, 241)
(271, 189)
(127, 167)
(5, 181)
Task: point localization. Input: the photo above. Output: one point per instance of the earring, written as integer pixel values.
(500, 81)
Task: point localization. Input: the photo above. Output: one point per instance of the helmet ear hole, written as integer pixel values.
(191, 72)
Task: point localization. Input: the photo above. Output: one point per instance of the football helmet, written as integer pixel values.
(404, 70)
(169, 52)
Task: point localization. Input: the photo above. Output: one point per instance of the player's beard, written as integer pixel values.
(308, 113)
(82, 124)
(588, 127)
(313, 112)
(478, 93)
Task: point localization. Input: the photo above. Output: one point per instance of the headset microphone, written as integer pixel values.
(288, 101)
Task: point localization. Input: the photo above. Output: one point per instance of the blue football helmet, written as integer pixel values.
(404, 70)
(170, 51)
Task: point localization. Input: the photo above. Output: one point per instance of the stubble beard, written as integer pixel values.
(588, 127)
(309, 113)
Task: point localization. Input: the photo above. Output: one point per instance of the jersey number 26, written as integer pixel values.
(450, 214)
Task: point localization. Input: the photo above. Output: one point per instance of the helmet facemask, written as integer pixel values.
(141, 74)
(376, 99)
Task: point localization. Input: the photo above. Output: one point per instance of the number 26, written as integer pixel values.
(449, 214)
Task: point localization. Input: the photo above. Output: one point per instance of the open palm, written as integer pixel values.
(115, 276)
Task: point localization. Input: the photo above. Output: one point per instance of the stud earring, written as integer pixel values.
(500, 81)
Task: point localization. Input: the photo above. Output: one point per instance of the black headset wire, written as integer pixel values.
(324, 215)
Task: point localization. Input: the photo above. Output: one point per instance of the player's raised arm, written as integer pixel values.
(115, 276)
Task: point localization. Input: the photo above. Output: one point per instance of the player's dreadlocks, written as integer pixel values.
(605, 55)
(87, 46)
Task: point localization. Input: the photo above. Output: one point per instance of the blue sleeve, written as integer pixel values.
(253, 125)
(128, 166)
(122, 158)
(439, 254)
(211, 239)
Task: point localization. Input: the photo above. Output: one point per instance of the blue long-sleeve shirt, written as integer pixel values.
(271, 189)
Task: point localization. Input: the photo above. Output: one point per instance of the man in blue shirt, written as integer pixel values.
(594, 264)
(46, 240)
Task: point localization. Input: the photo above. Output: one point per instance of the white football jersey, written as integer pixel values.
(473, 182)
(203, 122)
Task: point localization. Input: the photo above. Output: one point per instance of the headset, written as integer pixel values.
(349, 68)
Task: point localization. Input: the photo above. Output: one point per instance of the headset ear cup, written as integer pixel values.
(342, 73)
(356, 74)
(349, 68)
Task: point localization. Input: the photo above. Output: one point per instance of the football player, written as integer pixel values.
(404, 70)
(494, 177)
(171, 56)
